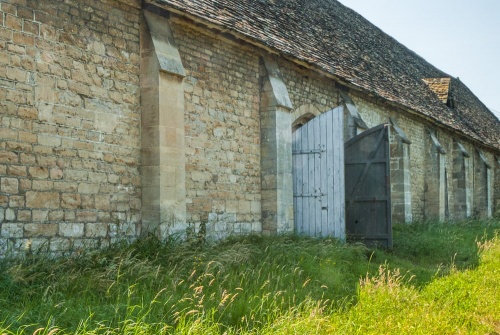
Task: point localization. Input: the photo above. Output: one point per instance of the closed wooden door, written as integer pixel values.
(367, 187)
(318, 176)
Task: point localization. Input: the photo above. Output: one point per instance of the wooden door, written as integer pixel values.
(318, 176)
(367, 187)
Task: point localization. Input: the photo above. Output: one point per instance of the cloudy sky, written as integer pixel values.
(460, 37)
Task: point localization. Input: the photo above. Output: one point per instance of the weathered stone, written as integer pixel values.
(86, 188)
(9, 185)
(16, 201)
(24, 215)
(40, 215)
(94, 230)
(42, 185)
(10, 214)
(86, 216)
(81, 113)
(11, 230)
(16, 170)
(71, 201)
(60, 244)
(40, 229)
(71, 229)
(42, 199)
(38, 172)
(56, 173)
(8, 157)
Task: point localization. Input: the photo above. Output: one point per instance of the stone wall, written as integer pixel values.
(308, 88)
(69, 123)
(446, 200)
(374, 113)
(400, 174)
(221, 91)
(74, 129)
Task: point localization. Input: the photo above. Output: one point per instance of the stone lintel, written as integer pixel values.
(164, 44)
(353, 110)
(400, 132)
(279, 96)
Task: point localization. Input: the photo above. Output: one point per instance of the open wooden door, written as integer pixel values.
(318, 176)
(367, 187)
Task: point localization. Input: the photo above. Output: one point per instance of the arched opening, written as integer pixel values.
(302, 121)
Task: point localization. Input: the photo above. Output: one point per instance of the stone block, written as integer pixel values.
(8, 157)
(16, 170)
(102, 202)
(24, 184)
(88, 188)
(11, 230)
(40, 215)
(40, 229)
(23, 215)
(38, 172)
(95, 230)
(244, 206)
(65, 186)
(88, 201)
(16, 201)
(71, 201)
(4, 201)
(57, 215)
(60, 244)
(231, 206)
(42, 199)
(49, 141)
(56, 173)
(86, 216)
(97, 177)
(42, 185)
(9, 185)
(26, 158)
(255, 207)
(10, 214)
(75, 175)
(71, 229)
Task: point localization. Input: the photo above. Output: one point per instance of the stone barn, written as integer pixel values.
(121, 118)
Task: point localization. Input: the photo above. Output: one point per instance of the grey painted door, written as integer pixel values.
(318, 176)
(367, 187)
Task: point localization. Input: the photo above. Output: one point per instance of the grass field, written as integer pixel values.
(438, 279)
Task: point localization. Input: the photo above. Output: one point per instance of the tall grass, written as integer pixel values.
(258, 285)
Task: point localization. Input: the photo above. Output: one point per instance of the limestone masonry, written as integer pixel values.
(121, 118)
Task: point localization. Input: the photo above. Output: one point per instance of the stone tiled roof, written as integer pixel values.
(334, 39)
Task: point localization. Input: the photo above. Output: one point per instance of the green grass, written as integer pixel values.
(438, 279)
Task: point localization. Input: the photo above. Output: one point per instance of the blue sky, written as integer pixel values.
(460, 37)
